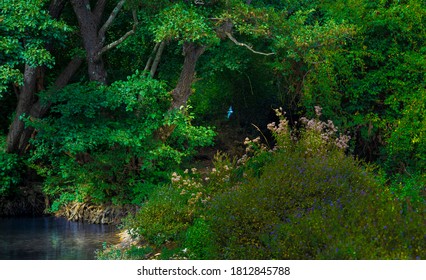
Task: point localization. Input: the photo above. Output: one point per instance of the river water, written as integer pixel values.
(51, 238)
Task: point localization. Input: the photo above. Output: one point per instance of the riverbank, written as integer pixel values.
(95, 214)
(32, 202)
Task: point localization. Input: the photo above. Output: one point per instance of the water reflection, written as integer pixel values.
(51, 238)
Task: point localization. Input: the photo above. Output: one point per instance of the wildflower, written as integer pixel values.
(279, 112)
(175, 177)
(318, 110)
(271, 126)
(304, 120)
(342, 141)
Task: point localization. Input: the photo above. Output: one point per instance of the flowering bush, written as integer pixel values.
(303, 199)
(176, 212)
(312, 201)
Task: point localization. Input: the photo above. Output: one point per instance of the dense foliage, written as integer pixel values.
(305, 199)
(99, 143)
(10, 172)
(104, 101)
(25, 30)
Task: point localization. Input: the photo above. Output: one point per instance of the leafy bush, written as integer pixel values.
(100, 143)
(305, 199)
(163, 217)
(10, 172)
(175, 212)
(199, 241)
(312, 201)
(406, 151)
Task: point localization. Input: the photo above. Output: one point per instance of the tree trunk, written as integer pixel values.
(56, 7)
(18, 136)
(39, 109)
(25, 101)
(182, 90)
(89, 22)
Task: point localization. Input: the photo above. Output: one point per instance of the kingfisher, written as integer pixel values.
(230, 112)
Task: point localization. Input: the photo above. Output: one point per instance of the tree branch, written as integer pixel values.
(124, 37)
(135, 18)
(56, 7)
(157, 59)
(148, 63)
(39, 109)
(99, 10)
(112, 16)
(245, 45)
(116, 43)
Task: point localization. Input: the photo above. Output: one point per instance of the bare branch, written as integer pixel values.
(157, 58)
(116, 43)
(135, 17)
(112, 16)
(124, 37)
(148, 63)
(245, 45)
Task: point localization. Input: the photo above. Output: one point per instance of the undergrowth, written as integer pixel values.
(304, 199)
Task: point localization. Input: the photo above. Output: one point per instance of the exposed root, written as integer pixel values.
(95, 214)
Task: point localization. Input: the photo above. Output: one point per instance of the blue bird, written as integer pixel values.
(230, 112)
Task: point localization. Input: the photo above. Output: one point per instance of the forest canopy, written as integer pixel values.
(109, 102)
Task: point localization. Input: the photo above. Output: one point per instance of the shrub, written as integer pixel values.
(199, 241)
(305, 199)
(406, 151)
(100, 143)
(162, 218)
(312, 201)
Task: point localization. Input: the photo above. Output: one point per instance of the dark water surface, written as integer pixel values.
(51, 238)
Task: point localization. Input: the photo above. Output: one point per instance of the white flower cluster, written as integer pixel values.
(327, 129)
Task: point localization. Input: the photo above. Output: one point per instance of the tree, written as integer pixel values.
(94, 35)
(28, 46)
(28, 29)
(198, 26)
